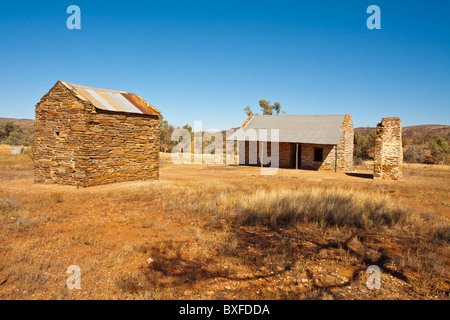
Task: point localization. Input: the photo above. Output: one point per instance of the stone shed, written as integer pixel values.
(87, 136)
(317, 142)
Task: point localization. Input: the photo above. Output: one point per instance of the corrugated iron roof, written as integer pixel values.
(112, 100)
(316, 129)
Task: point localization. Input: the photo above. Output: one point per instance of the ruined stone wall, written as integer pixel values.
(76, 143)
(388, 150)
(346, 146)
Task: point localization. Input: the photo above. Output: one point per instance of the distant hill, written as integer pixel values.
(424, 133)
(419, 135)
(426, 130)
(418, 131)
(24, 123)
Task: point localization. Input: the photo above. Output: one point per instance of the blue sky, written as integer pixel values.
(208, 60)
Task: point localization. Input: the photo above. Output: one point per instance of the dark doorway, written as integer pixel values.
(296, 154)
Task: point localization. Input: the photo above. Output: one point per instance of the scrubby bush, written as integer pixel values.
(440, 149)
(414, 155)
(365, 145)
(13, 134)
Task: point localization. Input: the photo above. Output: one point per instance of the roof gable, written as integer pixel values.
(112, 100)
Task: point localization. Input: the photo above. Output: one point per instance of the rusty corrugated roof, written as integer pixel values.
(112, 100)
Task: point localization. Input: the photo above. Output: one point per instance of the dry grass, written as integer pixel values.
(16, 162)
(427, 167)
(330, 206)
(225, 232)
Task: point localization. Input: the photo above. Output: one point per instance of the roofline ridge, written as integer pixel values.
(87, 87)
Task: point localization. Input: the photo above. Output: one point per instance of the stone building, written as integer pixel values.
(318, 142)
(87, 136)
(388, 157)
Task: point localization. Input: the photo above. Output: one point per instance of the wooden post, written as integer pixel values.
(296, 156)
(261, 156)
(335, 159)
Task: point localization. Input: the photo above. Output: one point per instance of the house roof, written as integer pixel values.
(316, 129)
(112, 100)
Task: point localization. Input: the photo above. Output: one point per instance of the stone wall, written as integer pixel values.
(285, 155)
(388, 150)
(307, 156)
(345, 148)
(287, 152)
(76, 143)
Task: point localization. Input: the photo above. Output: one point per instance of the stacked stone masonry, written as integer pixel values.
(78, 144)
(388, 150)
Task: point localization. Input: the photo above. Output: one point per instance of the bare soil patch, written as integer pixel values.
(211, 234)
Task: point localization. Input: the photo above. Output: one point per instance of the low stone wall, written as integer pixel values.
(388, 150)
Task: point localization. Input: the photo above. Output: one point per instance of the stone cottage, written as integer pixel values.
(318, 142)
(87, 136)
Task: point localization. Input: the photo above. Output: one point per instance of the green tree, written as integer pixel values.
(187, 127)
(5, 129)
(166, 131)
(13, 134)
(365, 145)
(266, 108)
(276, 107)
(371, 137)
(439, 149)
(248, 111)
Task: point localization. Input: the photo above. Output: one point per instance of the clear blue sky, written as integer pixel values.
(207, 60)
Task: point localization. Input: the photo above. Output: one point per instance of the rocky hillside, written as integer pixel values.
(419, 135)
(419, 131)
(24, 123)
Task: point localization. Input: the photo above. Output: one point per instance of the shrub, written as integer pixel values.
(13, 134)
(365, 145)
(440, 149)
(414, 155)
(8, 205)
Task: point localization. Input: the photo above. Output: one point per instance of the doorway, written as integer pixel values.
(296, 154)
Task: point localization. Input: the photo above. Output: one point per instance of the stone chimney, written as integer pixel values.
(388, 150)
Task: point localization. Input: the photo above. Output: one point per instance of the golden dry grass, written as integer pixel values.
(225, 232)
